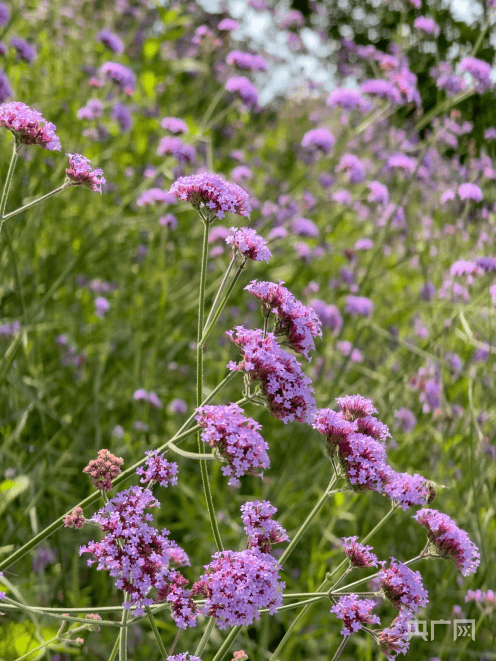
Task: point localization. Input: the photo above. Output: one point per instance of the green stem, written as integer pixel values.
(206, 635)
(199, 385)
(156, 633)
(8, 181)
(327, 493)
(58, 523)
(222, 305)
(34, 202)
(224, 648)
(211, 108)
(43, 645)
(191, 455)
(123, 631)
(113, 654)
(482, 34)
(340, 648)
(444, 106)
(221, 288)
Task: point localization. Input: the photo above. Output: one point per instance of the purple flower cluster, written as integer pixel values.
(382, 89)
(402, 586)
(481, 597)
(358, 554)
(5, 88)
(449, 540)
(174, 146)
(354, 612)
(158, 469)
(262, 531)
(378, 193)
(155, 195)
(247, 61)
(395, 639)
(348, 99)
(9, 330)
(141, 395)
(479, 70)
(112, 41)
(138, 555)
(24, 49)
(245, 89)
(236, 439)
(4, 14)
(92, 110)
(426, 25)
(469, 191)
(120, 75)
(328, 314)
(183, 656)
(320, 138)
(299, 323)
(28, 126)
(80, 173)
(213, 192)
(286, 390)
(358, 306)
(237, 584)
(174, 125)
(249, 244)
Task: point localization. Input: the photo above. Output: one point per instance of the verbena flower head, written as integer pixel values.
(319, 138)
(354, 612)
(158, 469)
(104, 469)
(246, 90)
(249, 244)
(5, 88)
(174, 125)
(371, 426)
(402, 586)
(353, 166)
(4, 14)
(285, 389)
(155, 196)
(349, 99)
(358, 554)
(328, 314)
(235, 437)
(75, 519)
(24, 49)
(299, 323)
(138, 555)
(407, 490)
(28, 126)
(481, 597)
(395, 639)
(378, 192)
(449, 540)
(480, 70)
(355, 406)
(426, 25)
(228, 24)
(120, 75)
(364, 462)
(214, 193)
(173, 146)
(80, 173)
(111, 41)
(247, 61)
(382, 89)
(358, 306)
(334, 427)
(237, 584)
(469, 191)
(259, 526)
(403, 162)
(183, 656)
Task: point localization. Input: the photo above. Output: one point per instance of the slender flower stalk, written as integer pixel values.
(206, 635)
(340, 649)
(8, 181)
(156, 633)
(217, 295)
(34, 202)
(123, 631)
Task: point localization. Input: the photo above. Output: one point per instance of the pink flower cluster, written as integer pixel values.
(354, 612)
(298, 322)
(104, 469)
(214, 193)
(250, 244)
(80, 173)
(262, 531)
(158, 469)
(28, 126)
(235, 437)
(358, 554)
(284, 386)
(402, 586)
(449, 540)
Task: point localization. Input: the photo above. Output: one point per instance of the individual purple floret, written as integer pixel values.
(358, 306)
(174, 146)
(80, 173)
(174, 125)
(449, 540)
(246, 90)
(214, 193)
(28, 126)
(407, 490)
(112, 41)
(104, 469)
(299, 323)
(469, 191)
(358, 554)
(120, 75)
(249, 244)
(355, 406)
(395, 639)
(286, 390)
(246, 61)
(402, 586)
(320, 138)
(354, 612)
(237, 584)
(353, 166)
(235, 437)
(158, 469)
(259, 526)
(24, 49)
